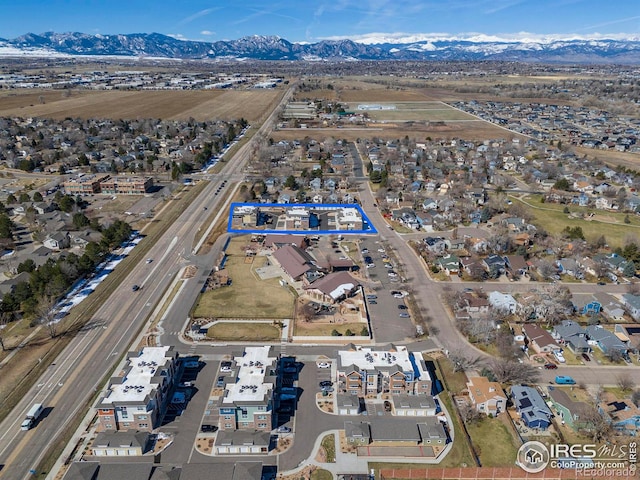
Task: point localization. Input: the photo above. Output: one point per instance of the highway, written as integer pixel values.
(78, 372)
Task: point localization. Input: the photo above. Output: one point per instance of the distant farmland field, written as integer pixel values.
(169, 105)
(413, 111)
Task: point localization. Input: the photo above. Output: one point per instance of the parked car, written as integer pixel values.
(565, 380)
(372, 297)
(325, 383)
(283, 429)
(327, 389)
(220, 382)
(387, 406)
(402, 307)
(550, 366)
(586, 357)
(373, 302)
(324, 365)
(208, 428)
(404, 315)
(225, 367)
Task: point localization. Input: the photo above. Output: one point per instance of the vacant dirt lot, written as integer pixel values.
(168, 105)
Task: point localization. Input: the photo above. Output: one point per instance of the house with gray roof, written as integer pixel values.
(572, 335)
(568, 410)
(532, 408)
(606, 340)
(357, 432)
(432, 432)
(632, 302)
(503, 302)
(414, 405)
(121, 443)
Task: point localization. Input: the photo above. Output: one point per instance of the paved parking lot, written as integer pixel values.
(385, 314)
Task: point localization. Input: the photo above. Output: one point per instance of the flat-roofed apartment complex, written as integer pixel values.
(84, 184)
(138, 397)
(126, 185)
(247, 404)
(392, 369)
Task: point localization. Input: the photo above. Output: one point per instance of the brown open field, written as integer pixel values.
(470, 130)
(169, 105)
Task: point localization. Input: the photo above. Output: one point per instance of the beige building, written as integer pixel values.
(486, 397)
(138, 397)
(391, 369)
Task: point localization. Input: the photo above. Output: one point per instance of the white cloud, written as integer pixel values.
(207, 32)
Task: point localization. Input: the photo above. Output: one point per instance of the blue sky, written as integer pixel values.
(313, 20)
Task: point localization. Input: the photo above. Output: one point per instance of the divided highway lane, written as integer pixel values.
(92, 355)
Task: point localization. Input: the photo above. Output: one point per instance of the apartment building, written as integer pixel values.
(126, 185)
(391, 369)
(247, 404)
(138, 397)
(84, 184)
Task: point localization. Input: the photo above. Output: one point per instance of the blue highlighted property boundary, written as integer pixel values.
(367, 226)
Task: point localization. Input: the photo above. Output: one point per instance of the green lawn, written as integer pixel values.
(500, 450)
(329, 445)
(244, 331)
(248, 296)
(454, 381)
(321, 474)
(552, 218)
(324, 329)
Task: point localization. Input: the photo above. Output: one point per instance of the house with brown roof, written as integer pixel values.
(294, 261)
(275, 241)
(333, 287)
(539, 339)
(486, 397)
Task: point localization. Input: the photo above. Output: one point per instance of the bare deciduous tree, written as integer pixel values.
(625, 382)
(509, 371)
(462, 360)
(594, 424)
(468, 414)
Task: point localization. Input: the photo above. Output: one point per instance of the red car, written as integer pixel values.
(550, 366)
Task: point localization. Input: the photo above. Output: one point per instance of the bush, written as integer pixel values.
(335, 333)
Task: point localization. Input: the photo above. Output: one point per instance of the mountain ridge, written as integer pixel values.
(259, 47)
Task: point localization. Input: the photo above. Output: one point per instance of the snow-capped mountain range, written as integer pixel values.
(524, 48)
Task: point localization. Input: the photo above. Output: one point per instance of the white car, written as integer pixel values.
(371, 265)
(381, 250)
(149, 260)
(324, 365)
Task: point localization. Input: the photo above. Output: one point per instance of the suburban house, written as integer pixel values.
(623, 414)
(567, 409)
(606, 340)
(57, 241)
(394, 369)
(503, 302)
(473, 303)
(486, 397)
(137, 399)
(348, 404)
(333, 287)
(572, 335)
(516, 264)
(247, 403)
(539, 339)
(449, 263)
(531, 407)
(632, 303)
(629, 334)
